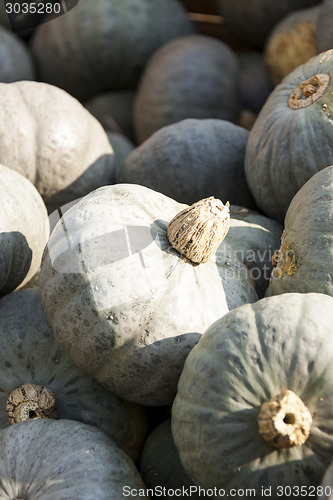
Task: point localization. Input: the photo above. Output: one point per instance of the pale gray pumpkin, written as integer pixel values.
(104, 45)
(123, 303)
(191, 160)
(24, 230)
(58, 459)
(50, 138)
(30, 354)
(242, 361)
(304, 262)
(291, 137)
(193, 76)
(15, 59)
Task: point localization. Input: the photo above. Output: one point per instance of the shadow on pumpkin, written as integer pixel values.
(15, 261)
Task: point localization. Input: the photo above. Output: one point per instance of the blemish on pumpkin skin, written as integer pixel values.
(284, 260)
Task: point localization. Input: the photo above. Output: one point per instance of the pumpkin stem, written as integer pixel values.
(309, 91)
(30, 402)
(284, 421)
(198, 230)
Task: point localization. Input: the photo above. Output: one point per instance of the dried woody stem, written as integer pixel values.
(30, 402)
(198, 230)
(285, 421)
(309, 91)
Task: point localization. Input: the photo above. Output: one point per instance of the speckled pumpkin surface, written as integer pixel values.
(24, 230)
(304, 262)
(242, 361)
(50, 138)
(48, 459)
(291, 138)
(29, 353)
(123, 303)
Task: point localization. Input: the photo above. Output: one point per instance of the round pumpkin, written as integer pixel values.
(64, 459)
(253, 21)
(291, 137)
(255, 85)
(114, 110)
(169, 89)
(30, 359)
(304, 260)
(123, 302)
(50, 138)
(24, 230)
(190, 160)
(324, 36)
(254, 402)
(291, 43)
(122, 148)
(104, 45)
(15, 58)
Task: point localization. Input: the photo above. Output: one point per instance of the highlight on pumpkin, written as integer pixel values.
(197, 231)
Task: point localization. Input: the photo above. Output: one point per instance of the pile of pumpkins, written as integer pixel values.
(166, 270)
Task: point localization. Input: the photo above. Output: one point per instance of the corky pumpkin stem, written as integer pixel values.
(30, 402)
(285, 421)
(309, 91)
(198, 230)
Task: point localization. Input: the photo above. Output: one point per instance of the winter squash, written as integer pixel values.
(255, 85)
(114, 110)
(324, 38)
(291, 43)
(304, 260)
(70, 460)
(284, 144)
(160, 466)
(38, 380)
(253, 21)
(122, 148)
(50, 138)
(325, 489)
(254, 401)
(24, 230)
(109, 269)
(182, 63)
(191, 160)
(102, 46)
(256, 238)
(16, 61)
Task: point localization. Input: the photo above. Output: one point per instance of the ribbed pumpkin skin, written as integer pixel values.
(244, 359)
(49, 459)
(50, 138)
(105, 44)
(305, 263)
(191, 160)
(24, 230)
(253, 21)
(287, 146)
(109, 269)
(16, 61)
(30, 353)
(194, 76)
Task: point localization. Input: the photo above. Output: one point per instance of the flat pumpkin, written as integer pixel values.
(24, 230)
(254, 402)
(51, 139)
(123, 302)
(70, 460)
(38, 380)
(290, 140)
(304, 261)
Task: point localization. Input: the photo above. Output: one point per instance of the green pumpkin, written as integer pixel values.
(24, 230)
(50, 138)
(16, 60)
(254, 402)
(183, 63)
(102, 46)
(253, 21)
(123, 302)
(304, 261)
(290, 140)
(29, 354)
(191, 160)
(48, 459)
